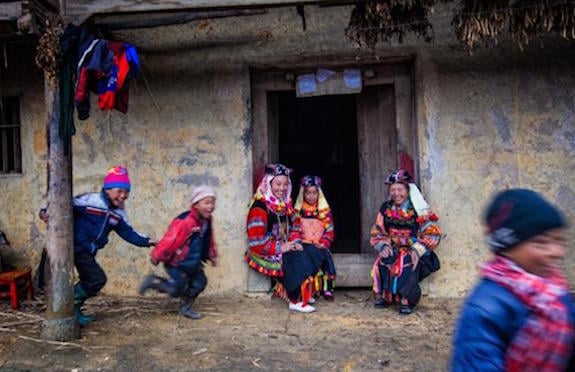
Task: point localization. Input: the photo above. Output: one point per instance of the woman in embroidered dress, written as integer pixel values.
(521, 315)
(274, 241)
(317, 230)
(404, 235)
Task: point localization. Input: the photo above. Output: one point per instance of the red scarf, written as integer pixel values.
(544, 343)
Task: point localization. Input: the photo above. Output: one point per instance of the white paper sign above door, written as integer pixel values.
(329, 82)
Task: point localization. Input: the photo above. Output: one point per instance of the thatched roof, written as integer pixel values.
(476, 22)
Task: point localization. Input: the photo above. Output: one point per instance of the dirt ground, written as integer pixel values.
(237, 333)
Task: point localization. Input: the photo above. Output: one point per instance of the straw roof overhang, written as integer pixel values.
(475, 22)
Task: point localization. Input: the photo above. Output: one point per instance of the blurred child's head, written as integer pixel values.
(527, 229)
(204, 201)
(117, 185)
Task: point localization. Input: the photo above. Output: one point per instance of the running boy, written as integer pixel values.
(183, 249)
(96, 214)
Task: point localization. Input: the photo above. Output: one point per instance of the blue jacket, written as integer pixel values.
(95, 218)
(489, 319)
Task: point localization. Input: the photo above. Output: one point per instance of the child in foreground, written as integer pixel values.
(520, 316)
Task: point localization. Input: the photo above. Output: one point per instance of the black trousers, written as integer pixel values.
(92, 276)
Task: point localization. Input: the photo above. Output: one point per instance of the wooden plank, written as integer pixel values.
(78, 11)
(406, 131)
(265, 126)
(377, 152)
(10, 11)
(4, 149)
(17, 151)
(139, 20)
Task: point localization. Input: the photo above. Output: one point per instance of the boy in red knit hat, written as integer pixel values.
(96, 214)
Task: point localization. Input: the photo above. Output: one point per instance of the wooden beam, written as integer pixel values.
(78, 11)
(147, 20)
(10, 11)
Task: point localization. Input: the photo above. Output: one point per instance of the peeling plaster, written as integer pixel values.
(502, 124)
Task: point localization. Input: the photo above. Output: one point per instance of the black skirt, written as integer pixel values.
(300, 265)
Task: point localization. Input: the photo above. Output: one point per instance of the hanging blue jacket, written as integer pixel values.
(95, 217)
(490, 318)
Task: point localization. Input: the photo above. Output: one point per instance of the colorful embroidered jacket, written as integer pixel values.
(401, 227)
(264, 229)
(316, 226)
(175, 244)
(95, 218)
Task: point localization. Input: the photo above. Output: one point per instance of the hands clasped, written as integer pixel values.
(291, 246)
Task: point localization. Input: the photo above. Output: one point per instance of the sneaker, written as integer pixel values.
(328, 295)
(311, 301)
(300, 308)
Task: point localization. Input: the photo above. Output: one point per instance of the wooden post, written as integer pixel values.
(59, 323)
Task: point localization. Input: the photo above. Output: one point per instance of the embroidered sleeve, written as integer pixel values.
(328, 232)
(429, 234)
(295, 228)
(260, 242)
(379, 235)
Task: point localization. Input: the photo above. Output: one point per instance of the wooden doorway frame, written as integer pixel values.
(353, 269)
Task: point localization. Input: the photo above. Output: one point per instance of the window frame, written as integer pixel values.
(10, 135)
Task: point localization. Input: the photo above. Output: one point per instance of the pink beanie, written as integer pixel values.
(117, 177)
(202, 192)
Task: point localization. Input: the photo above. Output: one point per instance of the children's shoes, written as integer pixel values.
(328, 295)
(300, 308)
(187, 311)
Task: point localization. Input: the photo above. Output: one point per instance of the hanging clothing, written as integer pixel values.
(98, 66)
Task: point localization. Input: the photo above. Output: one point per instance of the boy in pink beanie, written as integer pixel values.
(188, 243)
(96, 214)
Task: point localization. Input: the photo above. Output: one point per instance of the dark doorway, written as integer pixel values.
(318, 135)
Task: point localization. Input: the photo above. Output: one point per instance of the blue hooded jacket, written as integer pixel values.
(95, 217)
(490, 318)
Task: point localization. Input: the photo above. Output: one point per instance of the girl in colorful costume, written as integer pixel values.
(405, 234)
(521, 314)
(274, 241)
(317, 229)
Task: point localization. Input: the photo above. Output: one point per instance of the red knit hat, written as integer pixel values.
(117, 177)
